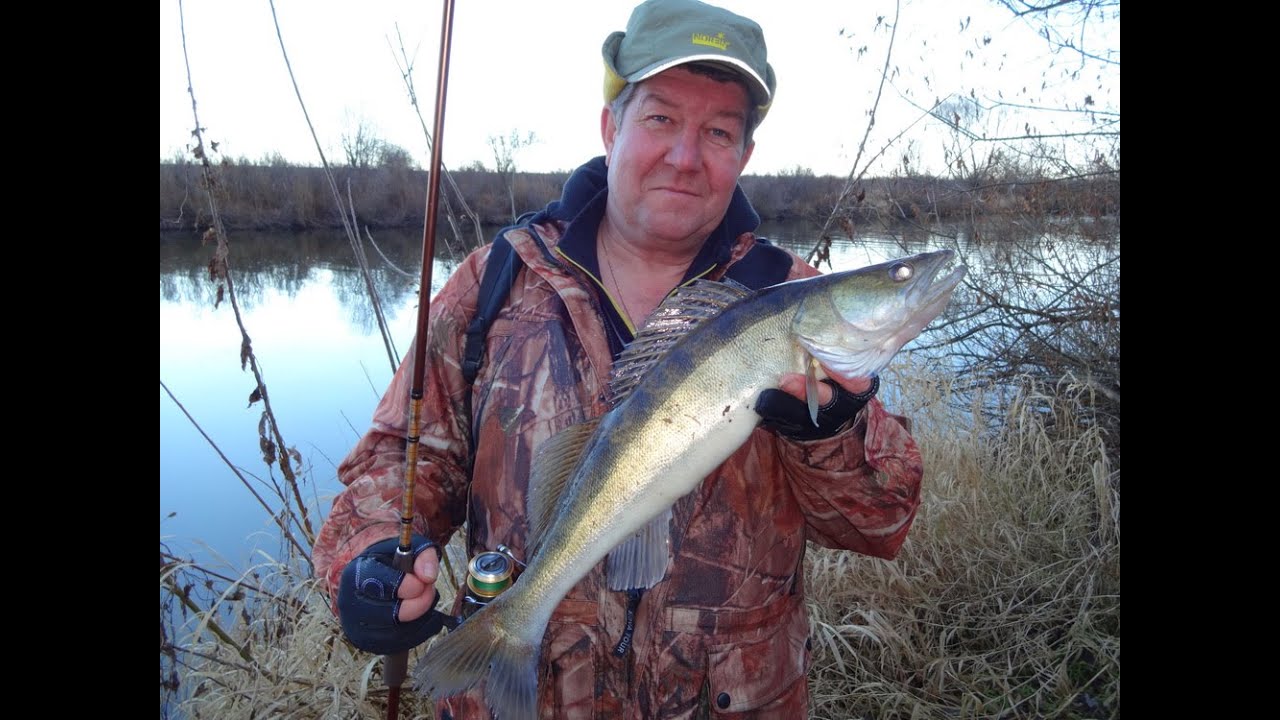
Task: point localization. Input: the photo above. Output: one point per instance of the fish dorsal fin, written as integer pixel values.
(687, 307)
(553, 465)
(641, 560)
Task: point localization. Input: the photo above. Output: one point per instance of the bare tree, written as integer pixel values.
(405, 64)
(365, 149)
(504, 159)
(359, 143)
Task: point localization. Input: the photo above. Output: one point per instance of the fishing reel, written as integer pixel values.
(488, 575)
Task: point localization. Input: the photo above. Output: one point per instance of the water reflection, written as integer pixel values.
(263, 263)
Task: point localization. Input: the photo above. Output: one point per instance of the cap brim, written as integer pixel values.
(760, 90)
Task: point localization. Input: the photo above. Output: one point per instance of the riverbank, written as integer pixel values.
(286, 197)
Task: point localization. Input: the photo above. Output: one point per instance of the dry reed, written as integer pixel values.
(1005, 600)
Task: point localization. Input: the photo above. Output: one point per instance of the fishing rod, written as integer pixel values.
(395, 667)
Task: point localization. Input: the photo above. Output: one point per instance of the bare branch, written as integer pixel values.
(823, 245)
(220, 269)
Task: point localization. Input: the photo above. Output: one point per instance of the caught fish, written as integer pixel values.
(686, 389)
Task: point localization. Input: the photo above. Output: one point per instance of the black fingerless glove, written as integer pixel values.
(368, 606)
(789, 415)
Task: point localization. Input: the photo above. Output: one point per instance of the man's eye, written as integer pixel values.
(721, 136)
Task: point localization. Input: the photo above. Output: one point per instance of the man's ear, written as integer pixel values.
(746, 155)
(608, 131)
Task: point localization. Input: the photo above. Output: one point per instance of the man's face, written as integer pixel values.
(675, 155)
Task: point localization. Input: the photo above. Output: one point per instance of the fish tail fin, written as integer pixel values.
(481, 649)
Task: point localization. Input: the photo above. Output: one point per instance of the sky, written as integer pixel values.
(535, 67)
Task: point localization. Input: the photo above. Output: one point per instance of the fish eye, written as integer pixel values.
(901, 272)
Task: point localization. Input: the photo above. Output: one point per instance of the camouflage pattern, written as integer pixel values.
(725, 635)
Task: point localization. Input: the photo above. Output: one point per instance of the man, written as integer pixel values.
(726, 631)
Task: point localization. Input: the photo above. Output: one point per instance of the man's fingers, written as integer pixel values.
(410, 587)
(793, 384)
(417, 595)
(413, 608)
(427, 565)
(425, 569)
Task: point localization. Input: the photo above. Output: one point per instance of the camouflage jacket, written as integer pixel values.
(726, 633)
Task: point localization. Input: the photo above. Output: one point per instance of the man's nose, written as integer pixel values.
(686, 150)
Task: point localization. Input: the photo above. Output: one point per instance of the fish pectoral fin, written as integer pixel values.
(811, 388)
(553, 466)
(641, 560)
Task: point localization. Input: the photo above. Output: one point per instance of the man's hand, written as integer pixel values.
(786, 410)
(383, 610)
(793, 384)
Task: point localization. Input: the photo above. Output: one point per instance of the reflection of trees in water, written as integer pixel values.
(350, 291)
(286, 262)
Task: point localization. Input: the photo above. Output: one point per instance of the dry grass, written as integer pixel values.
(1005, 600)
(1004, 603)
(265, 644)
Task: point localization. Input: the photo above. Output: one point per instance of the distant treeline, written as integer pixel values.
(281, 196)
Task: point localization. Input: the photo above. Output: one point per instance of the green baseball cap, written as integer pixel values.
(662, 34)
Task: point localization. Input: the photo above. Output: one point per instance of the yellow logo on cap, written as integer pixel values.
(715, 41)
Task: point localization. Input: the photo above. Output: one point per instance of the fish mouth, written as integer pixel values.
(928, 293)
(931, 293)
